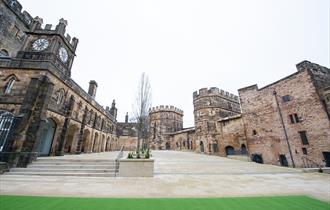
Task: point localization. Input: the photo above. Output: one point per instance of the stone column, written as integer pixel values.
(33, 112)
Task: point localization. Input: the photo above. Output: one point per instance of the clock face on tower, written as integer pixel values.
(40, 44)
(63, 54)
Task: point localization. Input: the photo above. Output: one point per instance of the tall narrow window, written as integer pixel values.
(9, 86)
(303, 137)
(304, 150)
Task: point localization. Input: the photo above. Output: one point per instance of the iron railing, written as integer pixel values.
(119, 156)
(309, 163)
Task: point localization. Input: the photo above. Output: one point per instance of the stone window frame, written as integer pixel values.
(304, 151)
(286, 98)
(12, 79)
(303, 137)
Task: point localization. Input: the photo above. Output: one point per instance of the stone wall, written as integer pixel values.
(210, 105)
(14, 23)
(292, 107)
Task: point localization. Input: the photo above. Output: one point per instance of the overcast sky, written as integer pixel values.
(185, 45)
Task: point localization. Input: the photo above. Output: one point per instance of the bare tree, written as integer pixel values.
(141, 109)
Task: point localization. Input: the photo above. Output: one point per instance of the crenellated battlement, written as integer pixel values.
(58, 29)
(16, 7)
(165, 108)
(214, 91)
(36, 24)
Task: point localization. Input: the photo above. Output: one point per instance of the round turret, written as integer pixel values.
(163, 120)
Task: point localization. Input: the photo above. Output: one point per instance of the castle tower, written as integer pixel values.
(113, 109)
(162, 121)
(48, 48)
(92, 88)
(211, 105)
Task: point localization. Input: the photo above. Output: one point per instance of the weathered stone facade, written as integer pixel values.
(56, 115)
(127, 134)
(163, 120)
(287, 122)
(218, 125)
(211, 105)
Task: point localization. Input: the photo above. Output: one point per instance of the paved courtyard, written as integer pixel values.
(177, 174)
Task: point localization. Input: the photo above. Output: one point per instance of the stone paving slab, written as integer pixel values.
(242, 179)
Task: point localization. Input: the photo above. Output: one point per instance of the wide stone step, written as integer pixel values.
(51, 170)
(73, 166)
(61, 174)
(76, 160)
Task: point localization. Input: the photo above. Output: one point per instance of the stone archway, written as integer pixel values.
(47, 137)
(71, 140)
(103, 144)
(257, 158)
(86, 140)
(95, 142)
(283, 161)
(201, 146)
(243, 149)
(167, 146)
(230, 150)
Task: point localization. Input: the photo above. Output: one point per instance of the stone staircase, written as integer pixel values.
(68, 167)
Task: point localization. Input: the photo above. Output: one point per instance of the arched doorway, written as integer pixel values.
(46, 137)
(230, 150)
(86, 137)
(215, 147)
(103, 143)
(201, 147)
(257, 158)
(107, 146)
(167, 146)
(70, 144)
(243, 149)
(95, 142)
(283, 161)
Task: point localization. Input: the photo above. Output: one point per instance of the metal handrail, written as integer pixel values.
(119, 156)
(306, 165)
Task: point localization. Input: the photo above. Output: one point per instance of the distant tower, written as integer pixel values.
(163, 120)
(126, 117)
(92, 88)
(113, 110)
(210, 105)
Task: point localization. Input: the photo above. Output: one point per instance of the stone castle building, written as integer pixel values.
(218, 125)
(43, 110)
(288, 121)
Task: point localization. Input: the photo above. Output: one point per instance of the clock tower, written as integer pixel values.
(49, 48)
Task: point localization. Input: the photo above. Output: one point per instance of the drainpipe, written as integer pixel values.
(284, 129)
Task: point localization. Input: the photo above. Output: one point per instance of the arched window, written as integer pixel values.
(59, 95)
(4, 53)
(8, 88)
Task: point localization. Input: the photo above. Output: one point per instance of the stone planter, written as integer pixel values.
(136, 167)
